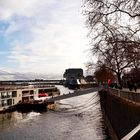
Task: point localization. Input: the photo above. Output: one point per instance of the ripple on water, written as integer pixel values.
(78, 118)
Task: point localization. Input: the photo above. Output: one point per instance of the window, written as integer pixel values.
(31, 97)
(13, 101)
(4, 95)
(9, 102)
(25, 91)
(31, 92)
(14, 93)
(9, 94)
(4, 103)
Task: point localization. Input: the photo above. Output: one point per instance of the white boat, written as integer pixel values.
(11, 96)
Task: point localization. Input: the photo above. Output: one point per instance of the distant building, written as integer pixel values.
(90, 78)
(73, 78)
(73, 73)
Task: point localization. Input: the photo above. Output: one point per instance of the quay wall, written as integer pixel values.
(120, 115)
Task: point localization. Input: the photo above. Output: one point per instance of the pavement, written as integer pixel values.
(126, 89)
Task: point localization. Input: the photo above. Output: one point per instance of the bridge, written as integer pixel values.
(74, 94)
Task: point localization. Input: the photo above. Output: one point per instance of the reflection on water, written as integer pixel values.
(78, 118)
(7, 120)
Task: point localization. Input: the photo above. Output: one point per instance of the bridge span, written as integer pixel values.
(74, 94)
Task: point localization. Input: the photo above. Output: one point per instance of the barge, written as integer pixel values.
(26, 97)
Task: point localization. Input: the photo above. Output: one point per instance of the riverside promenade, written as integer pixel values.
(121, 112)
(124, 93)
(126, 89)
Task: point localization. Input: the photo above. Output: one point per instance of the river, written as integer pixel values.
(77, 118)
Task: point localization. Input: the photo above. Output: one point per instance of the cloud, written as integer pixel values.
(54, 32)
(8, 8)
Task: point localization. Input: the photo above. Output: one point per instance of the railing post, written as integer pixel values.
(119, 94)
(139, 97)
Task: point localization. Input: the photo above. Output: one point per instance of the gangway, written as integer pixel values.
(74, 94)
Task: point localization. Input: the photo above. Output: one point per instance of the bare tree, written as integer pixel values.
(114, 30)
(121, 13)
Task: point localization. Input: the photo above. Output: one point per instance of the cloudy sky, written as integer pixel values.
(42, 36)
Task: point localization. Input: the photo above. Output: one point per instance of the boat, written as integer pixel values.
(74, 84)
(78, 84)
(23, 97)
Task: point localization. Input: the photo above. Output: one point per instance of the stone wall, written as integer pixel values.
(123, 116)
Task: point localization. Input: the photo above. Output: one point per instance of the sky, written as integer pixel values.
(42, 36)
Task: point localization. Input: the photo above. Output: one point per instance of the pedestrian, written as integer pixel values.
(135, 87)
(130, 86)
(116, 85)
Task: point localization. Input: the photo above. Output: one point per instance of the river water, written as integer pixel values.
(77, 118)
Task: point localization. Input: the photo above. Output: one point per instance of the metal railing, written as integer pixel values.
(131, 96)
(134, 133)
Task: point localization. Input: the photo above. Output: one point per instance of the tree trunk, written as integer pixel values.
(119, 80)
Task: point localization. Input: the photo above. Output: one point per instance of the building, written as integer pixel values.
(73, 73)
(73, 77)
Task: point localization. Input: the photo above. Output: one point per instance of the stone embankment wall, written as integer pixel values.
(121, 115)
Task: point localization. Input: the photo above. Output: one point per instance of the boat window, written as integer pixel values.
(3, 103)
(4, 95)
(13, 101)
(31, 92)
(50, 94)
(9, 102)
(25, 91)
(9, 94)
(14, 93)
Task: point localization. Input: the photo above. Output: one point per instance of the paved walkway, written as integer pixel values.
(126, 89)
(132, 96)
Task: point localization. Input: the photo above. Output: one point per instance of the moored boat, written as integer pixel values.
(25, 97)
